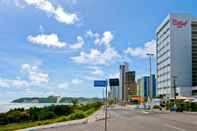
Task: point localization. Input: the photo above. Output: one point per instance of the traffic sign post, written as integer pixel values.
(103, 83)
(100, 83)
(114, 83)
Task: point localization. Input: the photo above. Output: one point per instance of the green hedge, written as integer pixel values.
(182, 106)
(156, 107)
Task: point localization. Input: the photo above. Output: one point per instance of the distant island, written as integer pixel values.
(56, 99)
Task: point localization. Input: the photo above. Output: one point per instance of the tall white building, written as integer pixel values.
(177, 54)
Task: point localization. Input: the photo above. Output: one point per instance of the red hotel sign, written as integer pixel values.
(179, 23)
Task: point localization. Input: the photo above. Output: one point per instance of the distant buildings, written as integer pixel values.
(127, 85)
(114, 88)
(125, 88)
(130, 85)
(177, 54)
(143, 86)
(122, 92)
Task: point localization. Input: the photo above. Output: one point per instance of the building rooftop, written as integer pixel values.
(168, 17)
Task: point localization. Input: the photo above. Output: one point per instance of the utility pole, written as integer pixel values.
(150, 80)
(103, 95)
(174, 87)
(106, 107)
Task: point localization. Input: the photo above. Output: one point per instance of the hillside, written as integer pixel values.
(53, 99)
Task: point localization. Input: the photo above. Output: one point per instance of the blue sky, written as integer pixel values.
(58, 47)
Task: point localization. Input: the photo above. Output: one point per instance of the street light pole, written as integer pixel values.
(174, 87)
(150, 80)
(103, 95)
(106, 107)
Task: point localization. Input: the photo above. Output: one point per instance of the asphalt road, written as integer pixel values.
(132, 120)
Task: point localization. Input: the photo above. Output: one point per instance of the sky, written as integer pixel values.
(58, 47)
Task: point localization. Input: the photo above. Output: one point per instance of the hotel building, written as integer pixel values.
(177, 54)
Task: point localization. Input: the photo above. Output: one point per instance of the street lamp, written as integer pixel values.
(150, 81)
(174, 87)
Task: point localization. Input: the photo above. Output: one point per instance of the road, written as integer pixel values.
(132, 120)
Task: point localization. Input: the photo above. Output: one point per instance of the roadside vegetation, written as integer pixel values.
(182, 106)
(21, 118)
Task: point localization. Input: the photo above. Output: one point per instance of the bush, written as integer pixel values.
(43, 115)
(194, 106)
(156, 107)
(169, 105)
(34, 114)
(90, 111)
(77, 115)
(182, 106)
(60, 110)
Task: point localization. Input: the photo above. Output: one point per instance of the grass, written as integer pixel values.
(73, 116)
(144, 110)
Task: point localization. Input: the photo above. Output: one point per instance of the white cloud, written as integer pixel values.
(79, 44)
(97, 40)
(90, 77)
(96, 71)
(64, 17)
(57, 11)
(76, 81)
(107, 38)
(149, 47)
(90, 34)
(110, 54)
(41, 29)
(64, 85)
(35, 75)
(50, 40)
(114, 75)
(136, 52)
(87, 57)
(13, 83)
(95, 36)
(95, 57)
(39, 77)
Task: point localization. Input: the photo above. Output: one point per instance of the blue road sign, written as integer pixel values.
(100, 83)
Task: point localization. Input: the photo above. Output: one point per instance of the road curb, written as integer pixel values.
(56, 125)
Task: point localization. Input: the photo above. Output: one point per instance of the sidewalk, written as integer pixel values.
(99, 115)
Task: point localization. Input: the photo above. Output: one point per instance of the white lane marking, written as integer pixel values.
(174, 127)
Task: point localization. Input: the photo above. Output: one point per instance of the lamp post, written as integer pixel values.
(150, 80)
(106, 99)
(174, 87)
